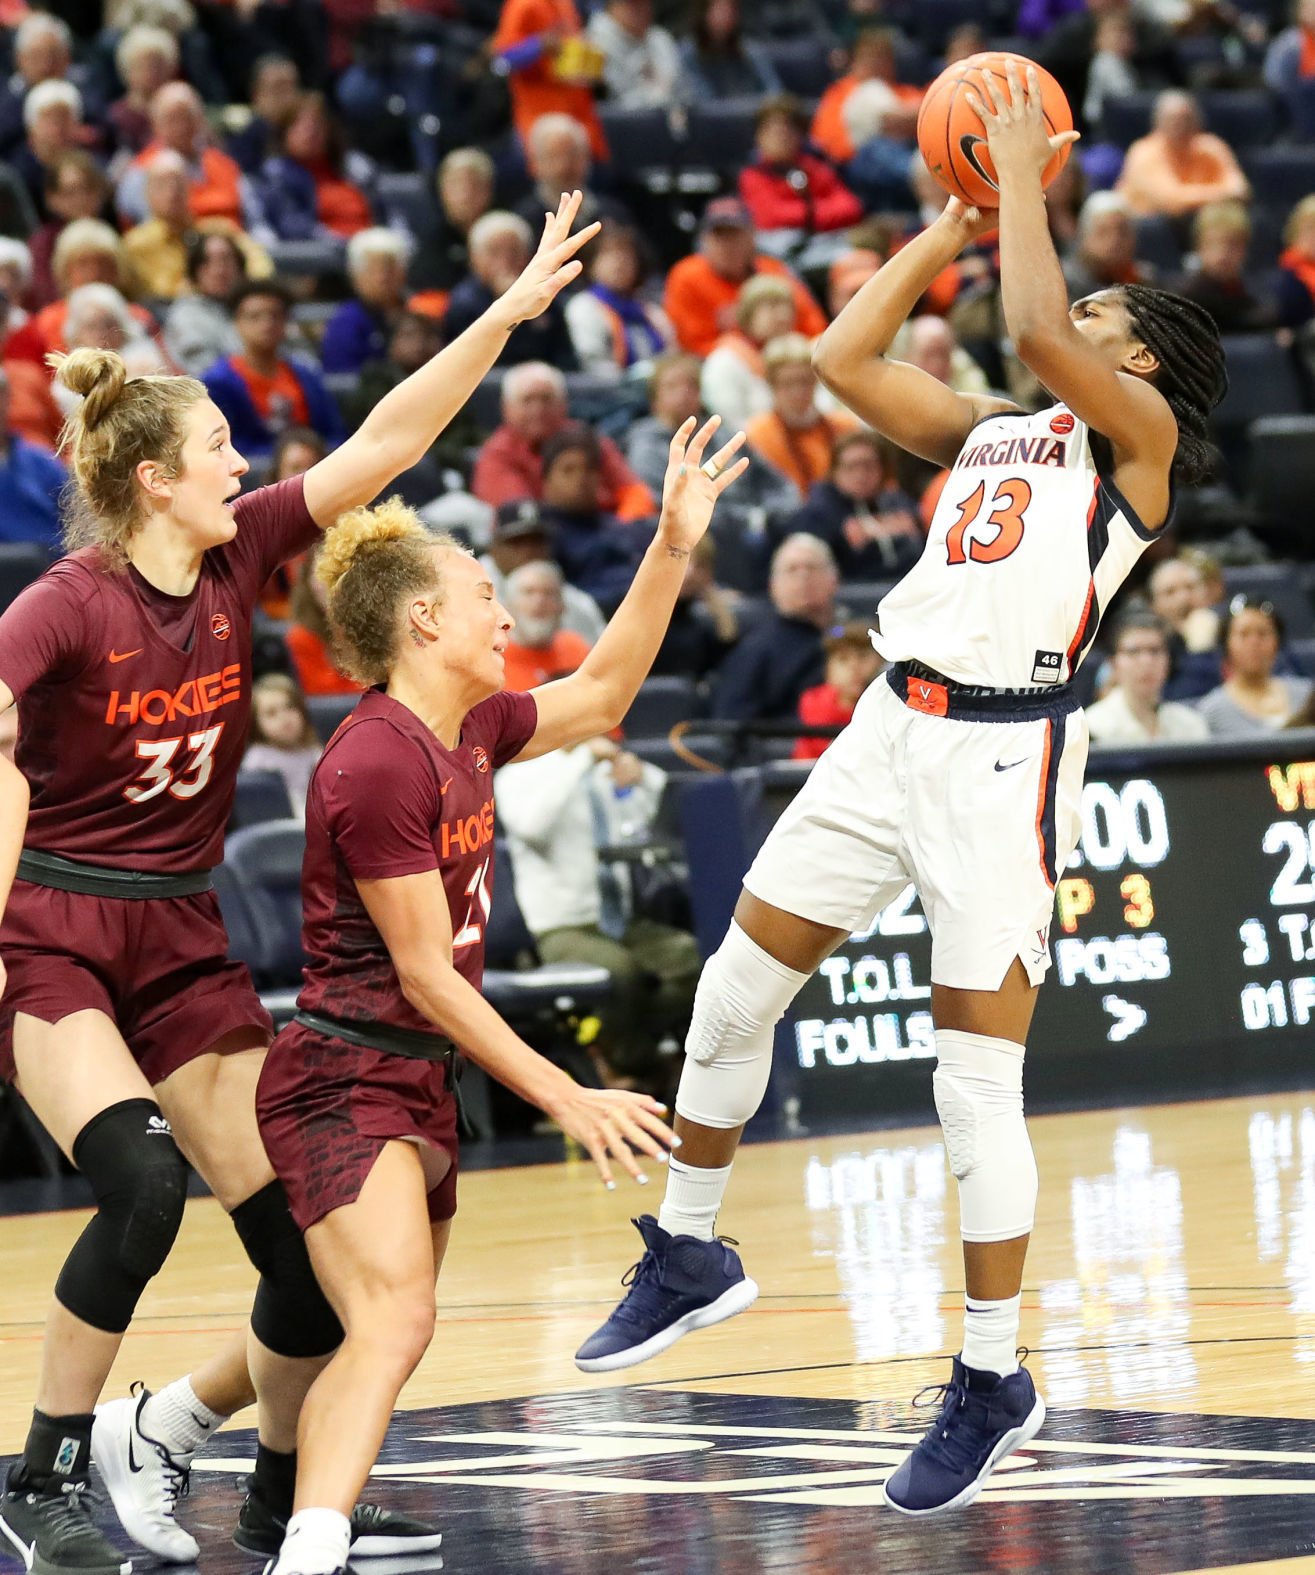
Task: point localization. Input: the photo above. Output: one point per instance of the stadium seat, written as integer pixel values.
(1283, 466)
(327, 712)
(484, 406)
(317, 258)
(1303, 654)
(260, 796)
(406, 200)
(1125, 117)
(1276, 584)
(712, 747)
(1262, 381)
(721, 134)
(803, 64)
(21, 562)
(267, 861)
(1281, 177)
(660, 704)
(1158, 244)
(642, 140)
(860, 597)
(1243, 117)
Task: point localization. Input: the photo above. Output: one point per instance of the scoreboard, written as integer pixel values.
(1183, 947)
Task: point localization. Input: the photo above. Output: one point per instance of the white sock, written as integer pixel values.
(692, 1199)
(177, 1419)
(316, 1543)
(990, 1335)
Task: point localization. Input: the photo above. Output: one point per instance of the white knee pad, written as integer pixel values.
(978, 1084)
(742, 993)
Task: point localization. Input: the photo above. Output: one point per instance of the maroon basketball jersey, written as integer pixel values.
(133, 705)
(388, 799)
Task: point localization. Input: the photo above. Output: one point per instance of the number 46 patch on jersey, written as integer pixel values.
(1047, 667)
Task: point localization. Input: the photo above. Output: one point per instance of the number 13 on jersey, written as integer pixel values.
(1007, 506)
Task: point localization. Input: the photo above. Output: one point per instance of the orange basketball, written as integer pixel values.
(951, 136)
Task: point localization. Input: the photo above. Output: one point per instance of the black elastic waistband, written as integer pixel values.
(922, 688)
(94, 880)
(379, 1036)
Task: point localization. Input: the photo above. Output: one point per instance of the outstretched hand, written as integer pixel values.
(612, 1124)
(1016, 126)
(553, 266)
(692, 484)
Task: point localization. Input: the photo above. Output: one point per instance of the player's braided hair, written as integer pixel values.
(1193, 378)
(121, 421)
(372, 562)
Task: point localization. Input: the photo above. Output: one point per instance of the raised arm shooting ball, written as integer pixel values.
(951, 136)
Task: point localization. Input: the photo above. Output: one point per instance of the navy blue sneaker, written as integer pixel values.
(681, 1283)
(984, 1418)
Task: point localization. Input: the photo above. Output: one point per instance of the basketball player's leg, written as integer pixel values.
(84, 1086)
(377, 1258)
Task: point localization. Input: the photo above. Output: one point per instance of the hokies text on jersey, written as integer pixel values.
(194, 697)
(469, 835)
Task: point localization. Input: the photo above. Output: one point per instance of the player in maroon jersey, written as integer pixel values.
(355, 1100)
(129, 1032)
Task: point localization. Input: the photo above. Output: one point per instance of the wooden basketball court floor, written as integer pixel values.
(1169, 1306)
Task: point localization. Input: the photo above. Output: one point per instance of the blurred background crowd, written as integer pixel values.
(300, 201)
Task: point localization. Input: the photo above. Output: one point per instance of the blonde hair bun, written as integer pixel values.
(357, 532)
(97, 375)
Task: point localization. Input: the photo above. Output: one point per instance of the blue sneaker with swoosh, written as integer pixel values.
(983, 1418)
(681, 1283)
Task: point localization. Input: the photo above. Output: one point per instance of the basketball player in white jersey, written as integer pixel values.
(961, 773)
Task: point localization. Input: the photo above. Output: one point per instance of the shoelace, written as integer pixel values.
(955, 1436)
(177, 1477)
(644, 1286)
(366, 1517)
(70, 1510)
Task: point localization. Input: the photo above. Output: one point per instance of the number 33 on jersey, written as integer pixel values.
(1028, 544)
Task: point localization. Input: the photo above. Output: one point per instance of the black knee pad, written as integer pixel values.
(139, 1177)
(291, 1314)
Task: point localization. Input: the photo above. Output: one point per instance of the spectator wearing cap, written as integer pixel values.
(851, 665)
(198, 327)
(217, 187)
(1295, 280)
(641, 63)
(359, 329)
(869, 524)
(465, 184)
(559, 158)
(616, 331)
(596, 551)
(793, 436)
(146, 57)
(520, 536)
(794, 197)
(274, 92)
(261, 391)
(76, 188)
(1134, 710)
(734, 375)
(31, 479)
(551, 67)
(155, 251)
(52, 121)
(1105, 253)
(314, 186)
(781, 655)
(541, 647)
(718, 62)
(874, 59)
(500, 247)
(702, 291)
(1221, 238)
(1178, 168)
(510, 464)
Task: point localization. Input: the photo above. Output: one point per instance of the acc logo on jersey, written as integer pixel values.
(1063, 423)
(220, 626)
(481, 758)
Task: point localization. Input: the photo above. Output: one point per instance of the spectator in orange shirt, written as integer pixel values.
(219, 190)
(309, 640)
(851, 665)
(1178, 168)
(510, 465)
(540, 649)
(794, 437)
(874, 60)
(553, 68)
(703, 289)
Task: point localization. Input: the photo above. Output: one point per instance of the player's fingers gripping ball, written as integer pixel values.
(952, 138)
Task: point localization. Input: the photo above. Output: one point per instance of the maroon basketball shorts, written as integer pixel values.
(158, 966)
(326, 1109)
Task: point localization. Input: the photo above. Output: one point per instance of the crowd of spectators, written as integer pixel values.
(300, 201)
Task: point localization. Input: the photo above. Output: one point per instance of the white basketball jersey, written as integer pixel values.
(1026, 548)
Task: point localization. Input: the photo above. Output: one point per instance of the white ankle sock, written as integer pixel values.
(990, 1335)
(316, 1542)
(178, 1420)
(692, 1200)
